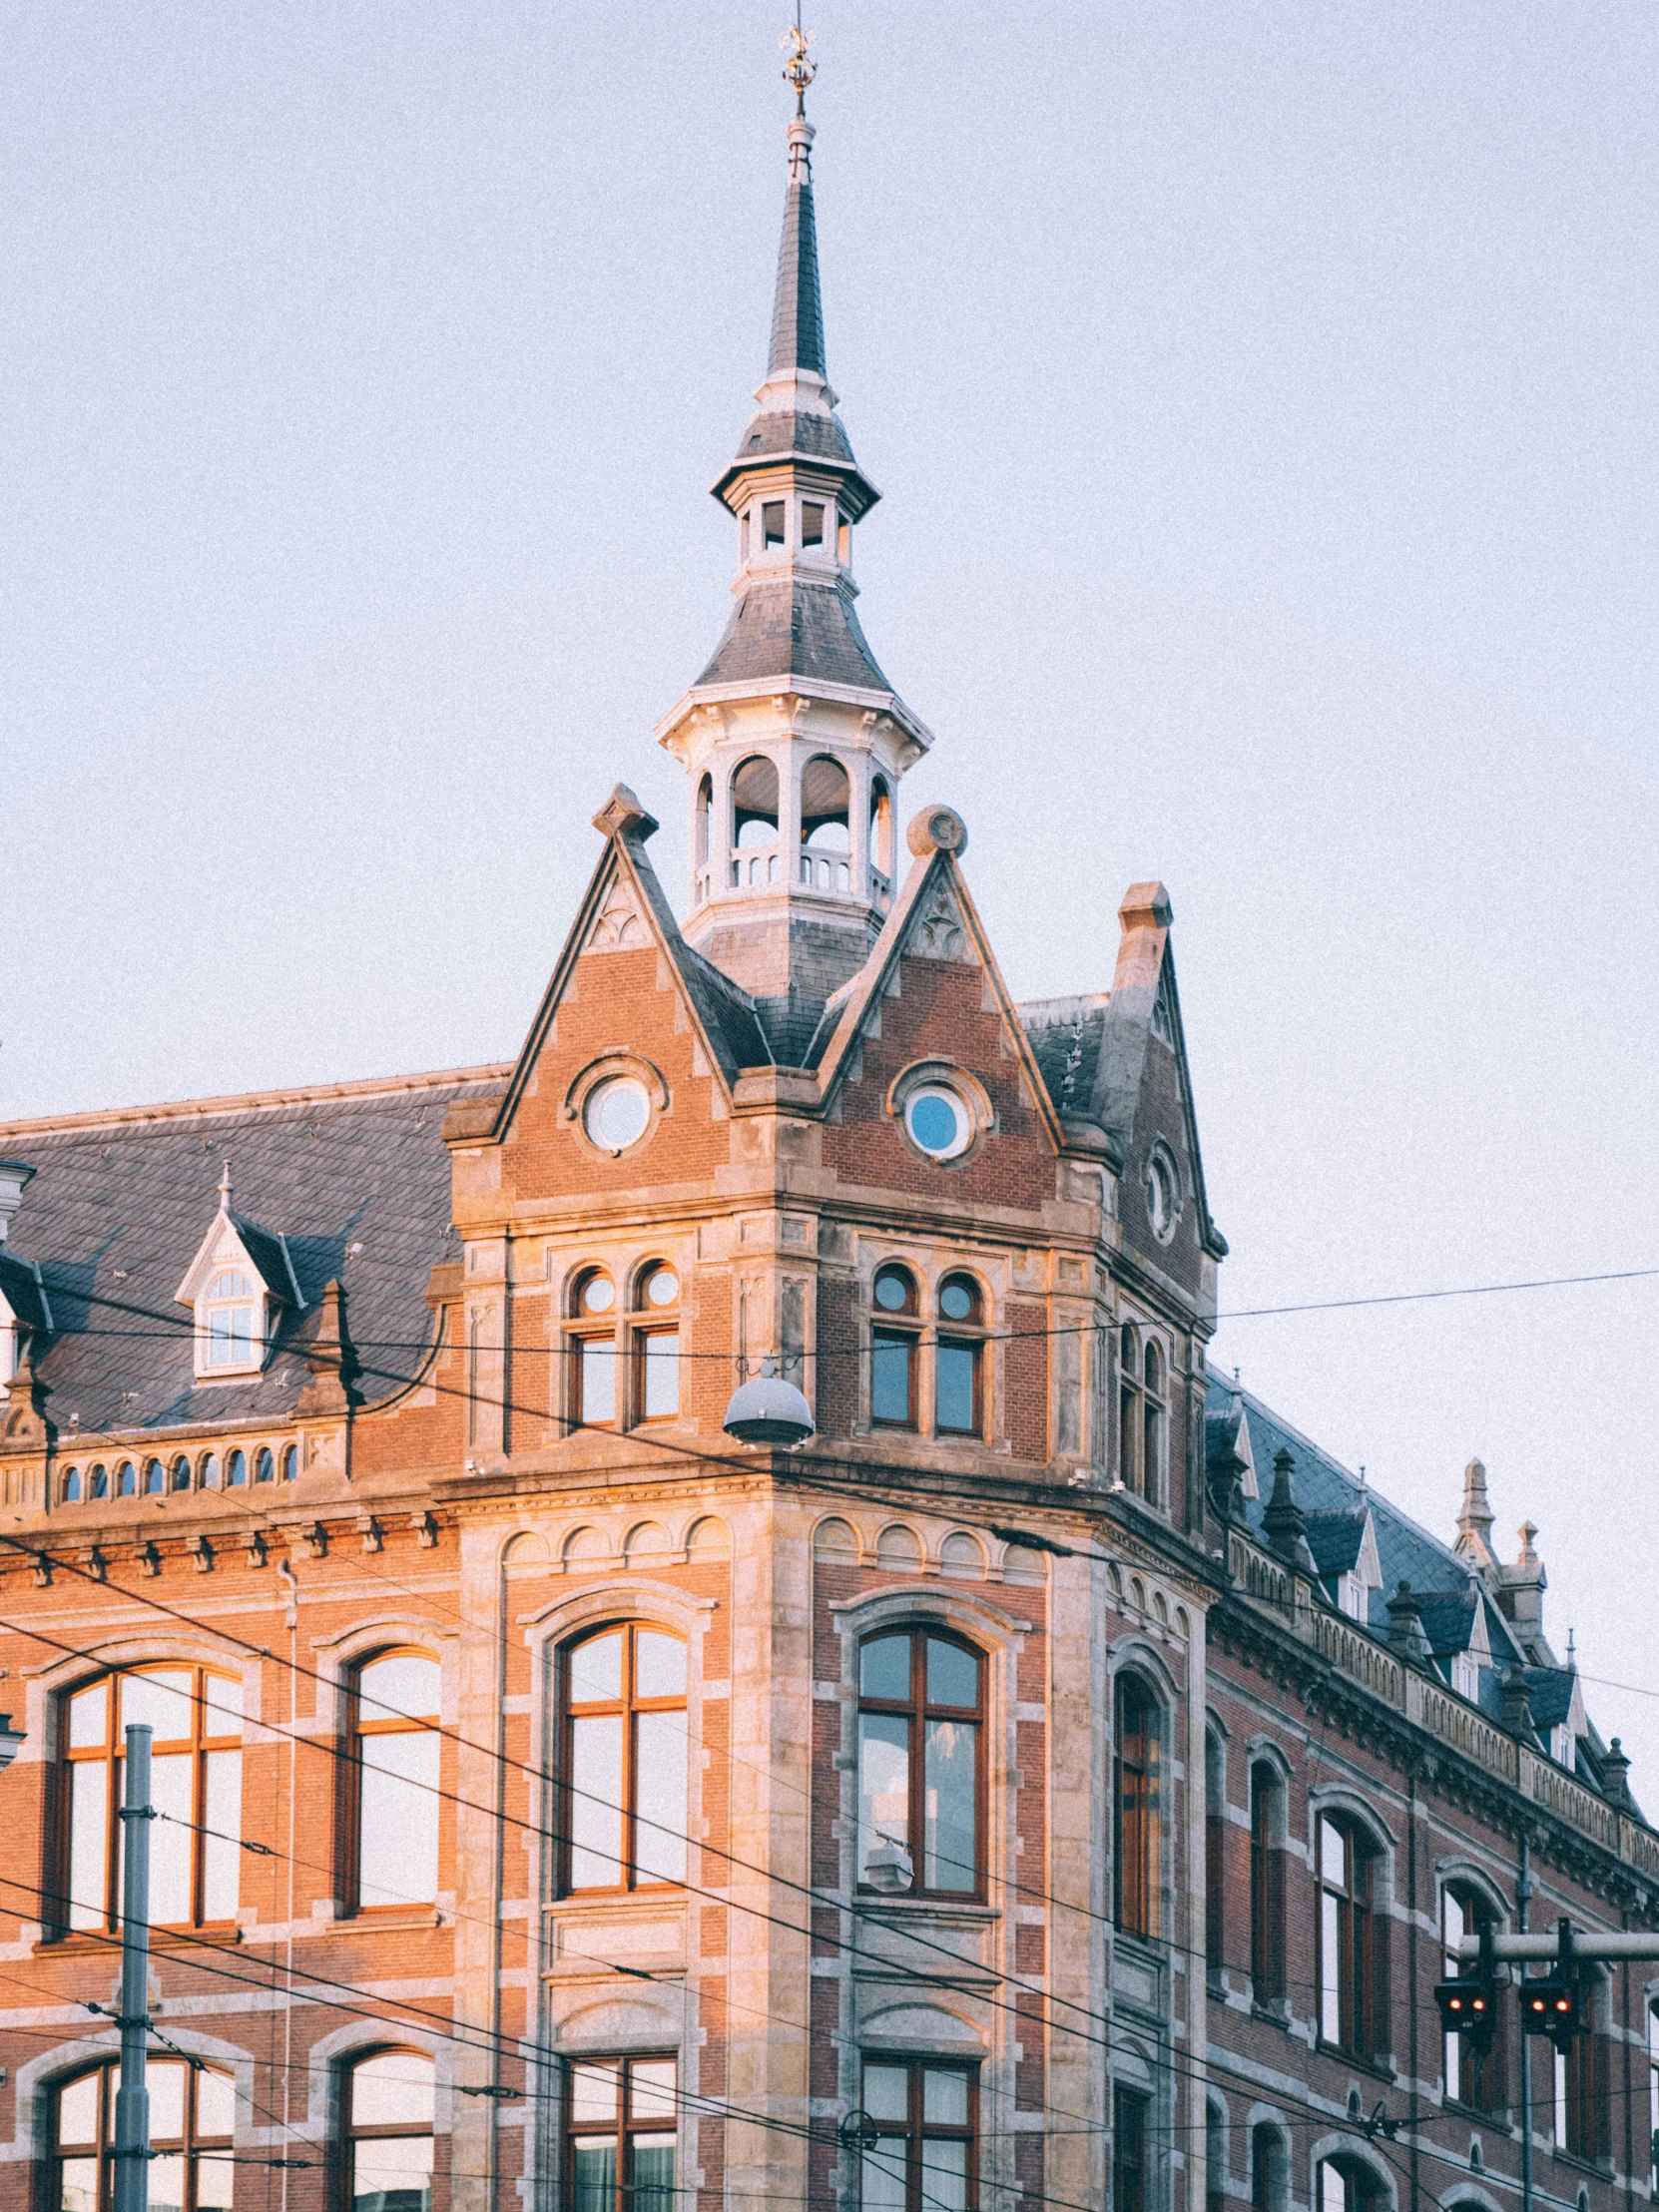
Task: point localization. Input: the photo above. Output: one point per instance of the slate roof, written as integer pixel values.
(812, 437)
(1549, 1694)
(1065, 1035)
(23, 1290)
(796, 303)
(1440, 1581)
(795, 629)
(1335, 1538)
(354, 1178)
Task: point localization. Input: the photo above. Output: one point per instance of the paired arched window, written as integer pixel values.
(194, 1718)
(621, 2115)
(896, 1397)
(921, 1758)
(1471, 2077)
(1143, 1416)
(191, 2120)
(1346, 2185)
(623, 1776)
(389, 2109)
(1352, 1991)
(623, 1363)
(1266, 1883)
(1136, 1806)
(395, 1749)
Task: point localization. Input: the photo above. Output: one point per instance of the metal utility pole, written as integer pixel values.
(132, 2103)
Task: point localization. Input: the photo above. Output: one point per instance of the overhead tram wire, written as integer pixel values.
(465, 2036)
(1043, 1998)
(178, 1324)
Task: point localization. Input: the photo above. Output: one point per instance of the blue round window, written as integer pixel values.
(938, 1122)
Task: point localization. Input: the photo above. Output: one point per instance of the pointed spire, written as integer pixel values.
(1474, 1519)
(225, 1186)
(797, 305)
(1284, 1523)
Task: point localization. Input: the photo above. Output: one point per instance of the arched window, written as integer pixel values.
(264, 1464)
(236, 1470)
(126, 1479)
(656, 1344)
(959, 1382)
(1346, 2185)
(1348, 1942)
(701, 817)
(209, 1472)
(195, 1785)
(228, 1321)
(620, 2120)
(893, 1339)
(395, 1750)
(291, 1462)
(920, 1751)
(1154, 1418)
(1269, 2168)
(389, 2107)
(1215, 2155)
(1472, 2077)
(1130, 1439)
(1215, 1849)
(755, 819)
(72, 1485)
(591, 1341)
(881, 832)
(192, 2119)
(155, 1479)
(625, 1760)
(180, 1474)
(98, 1482)
(1136, 1763)
(1266, 1883)
(826, 838)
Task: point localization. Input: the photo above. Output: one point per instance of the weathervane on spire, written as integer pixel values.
(798, 69)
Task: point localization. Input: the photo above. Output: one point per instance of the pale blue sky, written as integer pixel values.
(1264, 403)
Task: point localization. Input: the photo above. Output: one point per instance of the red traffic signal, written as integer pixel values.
(1468, 2006)
(1550, 2006)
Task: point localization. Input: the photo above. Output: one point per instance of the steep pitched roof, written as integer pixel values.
(356, 1175)
(1066, 1035)
(721, 1013)
(796, 303)
(794, 628)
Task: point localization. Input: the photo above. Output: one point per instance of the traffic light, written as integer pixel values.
(1550, 2006)
(1469, 2002)
(1468, 2006)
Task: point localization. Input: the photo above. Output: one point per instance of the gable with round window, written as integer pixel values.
(943, 1111)
(615, 1101)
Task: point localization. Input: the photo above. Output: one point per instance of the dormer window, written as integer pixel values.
(771, 524)
(226, 1322)
(239, 1286)
(1465, 1676)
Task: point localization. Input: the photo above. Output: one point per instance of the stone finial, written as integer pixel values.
(23, 1422)
(1474, 1518)
(1405, 1629)
(937, 830)
(1529, 1558)
(1146, 906)
(1284, 1523)
(1225, 1465)
(331, 1359)
(623, 815)
(1517, 1707)
(1615, 1776)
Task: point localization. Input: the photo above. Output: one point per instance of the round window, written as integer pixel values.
(661, 1287)
(958, 1302)
(938, 1122)
(617, 1113)
(1161, 1202)
(598, 1294)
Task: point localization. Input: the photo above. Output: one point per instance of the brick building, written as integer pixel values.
(1053, 1782)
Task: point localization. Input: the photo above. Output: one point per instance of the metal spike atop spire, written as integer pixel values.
(797, 308)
